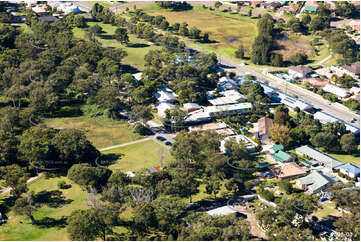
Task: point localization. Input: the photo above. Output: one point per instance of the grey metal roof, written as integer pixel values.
(319, 156)
(314, 180)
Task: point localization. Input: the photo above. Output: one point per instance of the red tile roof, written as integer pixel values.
(264, 125)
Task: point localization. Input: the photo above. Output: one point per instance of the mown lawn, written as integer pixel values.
(346, 158)
(327, 208)
(97, 131)
(137, 156)
(136, 48)
(20, 228)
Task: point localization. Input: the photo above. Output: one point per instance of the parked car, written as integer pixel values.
(160, 138)
(168, 143)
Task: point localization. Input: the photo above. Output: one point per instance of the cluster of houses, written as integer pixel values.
(314, 169)
(49, 11)
(320, 78)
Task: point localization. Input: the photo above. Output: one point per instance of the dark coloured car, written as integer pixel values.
(168, 143)
(160, 138)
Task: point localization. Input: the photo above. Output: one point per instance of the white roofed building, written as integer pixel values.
(229, 97)
(225, 83)
(162, 107)
(166, 95)
(250, 145)
(190, 107)
(338, 91)
(328, 118)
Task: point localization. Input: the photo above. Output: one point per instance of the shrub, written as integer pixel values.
(63, 185)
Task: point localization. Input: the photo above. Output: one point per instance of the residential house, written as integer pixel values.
(350, 170)
(271, 5)
(328, 118)
(166, 95)
(264, 126)
(220, 128)
(229, 97)
(190, 107)
(162, 107)
(338, 91)
(255, 3)
(355, 90)
(225, 83)
(40, 9)
(355, 25)
(289, 9)
(250, 145)
(299, 72)
(283, 157)
(320, 157)
(287, 170)
(315, 182)
(351, 70)
(316, 82)
(311, 6)
(48, 19)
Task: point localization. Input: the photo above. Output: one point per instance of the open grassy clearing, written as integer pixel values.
(327, 208)
(227, 29)
(100, 136)
(104, 3)
(346, 158)
(136, 48)
(137, 156)
(18, 228)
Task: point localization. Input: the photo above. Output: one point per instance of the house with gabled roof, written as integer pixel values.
(350, 170)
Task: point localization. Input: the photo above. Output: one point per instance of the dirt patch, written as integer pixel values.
(291, 46)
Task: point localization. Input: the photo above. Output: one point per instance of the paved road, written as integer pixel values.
(126, 144)
(8, 189)
(158, 130)
(316, 100)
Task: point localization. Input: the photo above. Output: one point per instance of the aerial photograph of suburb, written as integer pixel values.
(179, 120)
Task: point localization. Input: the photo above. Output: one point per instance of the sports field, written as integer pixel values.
(137, 156)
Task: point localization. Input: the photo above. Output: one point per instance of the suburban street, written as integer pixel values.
(316, 100)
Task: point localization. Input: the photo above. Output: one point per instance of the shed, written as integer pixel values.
(282, 156)
(277, 148)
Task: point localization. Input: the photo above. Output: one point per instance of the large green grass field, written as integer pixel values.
(136, 48)
(226, 29)
(20, 228)
(98, 132)
(137, 156)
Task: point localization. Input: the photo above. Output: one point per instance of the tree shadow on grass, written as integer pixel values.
(106, 36)
(129, 69)
(109, 159)
(53, 199)
(48, 222)
(137, 45)
(6, 204)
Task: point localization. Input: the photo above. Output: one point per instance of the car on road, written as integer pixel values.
(168, 143)
(160, 138)
(353, 120)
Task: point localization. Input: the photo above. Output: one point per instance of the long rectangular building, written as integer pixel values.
(322, 158)
(328, 118)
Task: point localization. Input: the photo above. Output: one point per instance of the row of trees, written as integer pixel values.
(303, 129)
